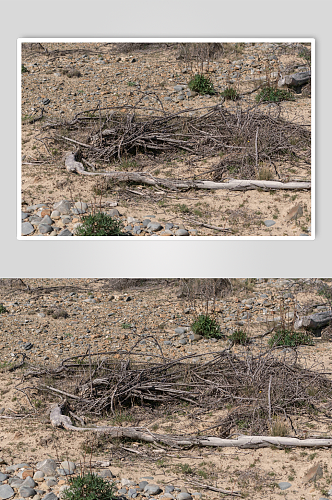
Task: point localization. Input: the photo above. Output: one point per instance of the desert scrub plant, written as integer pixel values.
(230, 94)
(57, 313)
(206, 326)
(199, 83)
(3, 310)
(265, 174)
(288, 338)
(270, 94)
(24, 69)
(239, 337)
(99, 224)
(89, 487)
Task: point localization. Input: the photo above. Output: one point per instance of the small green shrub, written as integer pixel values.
(289, 338)
(239, 337)
(89, 487)
(270, 94)
(230, 94)
(201, 84)
(24, 69)
(3, 310)
(126, 325)
(99, 224)
(206, 326)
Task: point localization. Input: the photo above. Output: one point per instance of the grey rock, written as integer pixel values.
(128, 228)
(26, 492)
(180, 330)
(146, 222)
(35, 219)
(142, 484)
(39, 475)
(47, 220)
(167, 98)
(51, 482)
(284, 486)
(152, 489)
(34, 207)
(269, 223)
(28, 481)
(6, 491)
(50, 496)
(47, 466)
(169, 488)
(181, 97)
(178, 88)
(67, 464)
(63, 206)
(169, 225)
(182, 232)
(46, 101)
(81, 206)
(106, 473)
(65, 232)
(3, 477)
(194, 337)
(184, 496)
(114, 213)
(137, 230)
(24, 215)
(183, 341)
(55, 213)
(191, 93)
(14, 467)
(154, 226)
(127, 482)
(45, 228)
(27, 228)
(122, 491)
(132, 493)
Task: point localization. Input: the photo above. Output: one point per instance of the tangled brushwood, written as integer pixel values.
(243, 139)
(255, 390)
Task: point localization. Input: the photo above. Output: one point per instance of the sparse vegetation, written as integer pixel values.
(271, 94)
(88, 486)
(239, 337)
(290, 338)
(206, 326)
(3, 310)
(201, 84)
(230, 94)
(99, 224)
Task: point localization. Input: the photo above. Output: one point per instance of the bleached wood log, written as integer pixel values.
(143, 178)
(314, 321)
(136, 433)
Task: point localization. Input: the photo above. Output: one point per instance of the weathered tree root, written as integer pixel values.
(141, 433)
(141, 177)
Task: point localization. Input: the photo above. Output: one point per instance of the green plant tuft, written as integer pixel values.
(3, 310)
(270, 94)
(24, 69)
(239, 337)
(230, 94)
(206, 326)
(89, 487)
(201, 84)
(99, 224)
(290, 339)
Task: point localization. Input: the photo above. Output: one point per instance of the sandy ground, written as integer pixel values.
(256, 473)
(44, 178)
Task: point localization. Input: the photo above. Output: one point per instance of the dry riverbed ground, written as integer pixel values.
(108, 319)
(116, 77)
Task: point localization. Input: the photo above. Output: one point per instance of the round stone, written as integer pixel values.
(3, 477)
(6, 491)
(114, 213)
(26, 492)
(152, 489)
(182, 232)
(169, 225)
(45, 228)
(65, 232)
(184, 496)
(63, 207)
(284, 485)
(67, 464)
(81, 206)
(27, 228)
(154, 226)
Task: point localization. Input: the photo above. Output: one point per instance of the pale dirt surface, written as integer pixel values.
(45, 180)
(31, 437)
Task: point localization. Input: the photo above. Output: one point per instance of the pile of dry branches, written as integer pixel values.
(243, 139)
(255, 389)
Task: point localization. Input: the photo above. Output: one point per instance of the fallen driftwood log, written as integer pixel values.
(295, 80)
(141, 433)
(314, 321)
(143, 178)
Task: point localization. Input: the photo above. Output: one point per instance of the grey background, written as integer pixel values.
(171, 18)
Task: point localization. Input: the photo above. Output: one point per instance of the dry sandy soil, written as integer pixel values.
(110, 77)
(96, 317)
